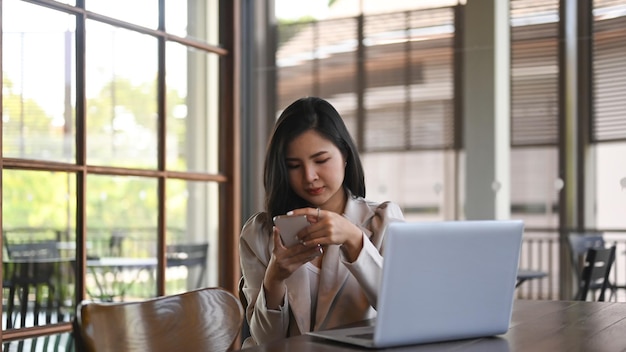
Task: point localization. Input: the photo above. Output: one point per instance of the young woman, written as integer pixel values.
(330, 276)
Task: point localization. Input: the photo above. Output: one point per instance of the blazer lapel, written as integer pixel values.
(358, 212)
(299, 296)
(332, 278)
(334, 274)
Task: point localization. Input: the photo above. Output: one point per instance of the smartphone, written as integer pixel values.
(289, 226)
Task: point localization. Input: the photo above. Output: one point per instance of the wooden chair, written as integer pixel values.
(598, 263)
(207, 319)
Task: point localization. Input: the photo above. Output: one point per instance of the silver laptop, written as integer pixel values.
(442, 281)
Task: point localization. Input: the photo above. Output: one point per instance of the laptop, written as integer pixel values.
(442, 281)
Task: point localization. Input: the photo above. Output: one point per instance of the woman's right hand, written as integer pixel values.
(283, 263)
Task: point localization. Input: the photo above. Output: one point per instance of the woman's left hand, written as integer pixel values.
(328, 227)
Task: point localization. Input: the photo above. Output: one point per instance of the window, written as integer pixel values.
(391, 77)
(118, 155)
(609, 124)
(534, 112)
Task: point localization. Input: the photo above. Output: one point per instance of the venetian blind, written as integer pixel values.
(409, 80)
(406, 75)
(609, 75)
(534, 72)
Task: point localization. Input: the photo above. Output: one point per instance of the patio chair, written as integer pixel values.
(598, 263)
(190, 255)
(580, 243)
(32, 273)
(207, 319)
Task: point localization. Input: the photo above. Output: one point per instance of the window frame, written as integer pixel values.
(229, 152)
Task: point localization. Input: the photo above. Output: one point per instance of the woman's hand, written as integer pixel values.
(328, 227)
(283, 263)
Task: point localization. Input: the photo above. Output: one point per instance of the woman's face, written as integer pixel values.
(316, 171)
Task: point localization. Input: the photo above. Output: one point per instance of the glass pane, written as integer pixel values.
(197, 20)
(192, 237)
(142, 12)
(192, 109)
(337, 57)
(610, 185)
(38, 211)
(535, 186)
(38, 94)
(121, 97)
(294, 62)
(121, 238)
(423, 182)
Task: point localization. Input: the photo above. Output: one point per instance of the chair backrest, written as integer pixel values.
(598, 263)
(33, 250)
(32, 262)
(27, 269)
(189, 255)
(580, 243)
(207, 319)
(116, 242)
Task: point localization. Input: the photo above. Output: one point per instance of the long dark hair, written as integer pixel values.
(310, 113)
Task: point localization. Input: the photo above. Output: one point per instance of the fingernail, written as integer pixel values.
(290, 212)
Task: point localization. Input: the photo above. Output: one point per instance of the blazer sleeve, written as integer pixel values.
(368, 267)
(255, 249)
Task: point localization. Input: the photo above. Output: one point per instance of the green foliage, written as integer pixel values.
(36, 199)
(48, 199)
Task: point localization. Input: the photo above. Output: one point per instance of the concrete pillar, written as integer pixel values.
(486, 109)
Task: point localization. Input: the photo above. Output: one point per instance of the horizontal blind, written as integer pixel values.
(295, 61)
(609, 73)
(319, 58)
(534, 72)
(33, 128)
(409, 80)
(337, 70)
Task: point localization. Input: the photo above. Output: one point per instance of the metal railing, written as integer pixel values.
(541, 251)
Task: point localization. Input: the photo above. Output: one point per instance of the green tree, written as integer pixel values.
(47, 199)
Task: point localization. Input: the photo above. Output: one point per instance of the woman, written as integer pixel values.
(330, 277)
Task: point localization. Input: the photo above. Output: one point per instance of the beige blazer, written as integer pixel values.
(347, 291)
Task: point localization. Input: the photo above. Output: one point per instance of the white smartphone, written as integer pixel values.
(289, 226)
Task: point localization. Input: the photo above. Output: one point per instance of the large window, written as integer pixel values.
(391, 77)
(534, 113)
(609, 122)
(396, 79)
(118, 157)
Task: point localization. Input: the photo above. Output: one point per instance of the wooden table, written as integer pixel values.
(535, 326)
